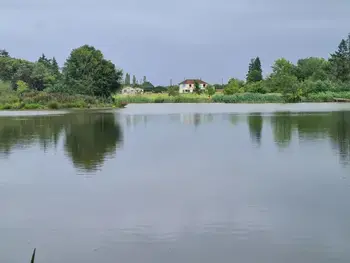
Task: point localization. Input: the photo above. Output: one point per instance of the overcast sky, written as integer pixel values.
(176, 39)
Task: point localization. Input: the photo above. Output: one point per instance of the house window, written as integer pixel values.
(190, 85)
(204, 85)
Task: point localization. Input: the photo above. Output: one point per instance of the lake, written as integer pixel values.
(177, 183)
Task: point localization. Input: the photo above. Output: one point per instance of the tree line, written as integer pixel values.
(308, 75)
(85, 72)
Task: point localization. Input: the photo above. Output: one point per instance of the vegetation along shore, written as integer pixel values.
(311, 79)
(88, 80)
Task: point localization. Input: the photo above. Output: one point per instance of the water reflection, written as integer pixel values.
(24, 131)
(196, 119)
(90, 137)
(282, 128)
(255, 122)
(334, 126)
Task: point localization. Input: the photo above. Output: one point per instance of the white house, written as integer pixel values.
(188, 85)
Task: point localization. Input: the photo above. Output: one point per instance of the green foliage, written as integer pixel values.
(256, 87)
(340, 61)
(234, 86)
(173, 91)
(283, 77)
(210, 90)
(127, 79)
(159, 89)
(254, 71)
(134, 81)
(161, 98)
(312, 68)
(53, 105)
(9, 66)
(147, 86)
(4, 53)
(197, 90)
(248, 98)
(87, 72)
(310, 86)
(283, 67)
(21, 86)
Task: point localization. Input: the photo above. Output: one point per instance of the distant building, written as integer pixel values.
(188, 85)
(131, 90)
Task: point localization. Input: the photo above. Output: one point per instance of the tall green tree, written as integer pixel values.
(127, 79)
(86, 71)
(283, 80)
(197, 89)
(234, 86)
(44, 60)
(55, 68)
(312, 68)
(144, 79)
(254, 72)
(36, 75)
(134, 81)
(340, 61)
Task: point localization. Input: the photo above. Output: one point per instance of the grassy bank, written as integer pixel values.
(194, 98)
(12, 100)
(221, 98)
(162, 98)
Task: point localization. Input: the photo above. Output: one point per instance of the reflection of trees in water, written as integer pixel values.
(23, 131)
(235, 119)
(281, 123)
(89, 136)
(196, 118)
(134, 120)
(340, 134)
(255, 123)
(312, 126)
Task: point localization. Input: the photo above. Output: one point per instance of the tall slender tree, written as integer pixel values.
(134, 81)
(54, 67)
(254, 72)
(144, 79)
(127, 79)
(340, 61)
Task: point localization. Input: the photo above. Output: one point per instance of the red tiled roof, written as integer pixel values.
(192, 81)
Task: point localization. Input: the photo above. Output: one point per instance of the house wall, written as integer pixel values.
(189, 87)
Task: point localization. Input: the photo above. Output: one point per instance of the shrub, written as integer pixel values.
(159, 100)
(233, 87)
(21, 86)
(318, 86)
(173, 91)
(210, 90)
(248, 98)
(53, 105)
(256, 87)
(32, 106)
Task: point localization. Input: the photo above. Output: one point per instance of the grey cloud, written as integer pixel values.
(176, 39)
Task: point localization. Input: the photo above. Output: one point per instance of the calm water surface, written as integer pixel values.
(177, 183)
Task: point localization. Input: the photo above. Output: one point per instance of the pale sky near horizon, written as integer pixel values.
(179, 39)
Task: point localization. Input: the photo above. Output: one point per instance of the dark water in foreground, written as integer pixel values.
(135, 186)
